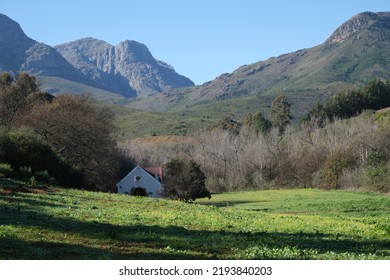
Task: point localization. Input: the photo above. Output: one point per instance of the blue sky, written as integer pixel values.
(201, 39)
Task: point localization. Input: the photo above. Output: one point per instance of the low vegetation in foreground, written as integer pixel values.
(57, 223)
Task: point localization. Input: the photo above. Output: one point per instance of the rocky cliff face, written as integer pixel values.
(94, 58)
(128, 68)
(359, 23)
(349, 28)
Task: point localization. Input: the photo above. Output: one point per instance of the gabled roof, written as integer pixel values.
(134, 169)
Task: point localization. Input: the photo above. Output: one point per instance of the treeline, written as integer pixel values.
(352, 154)
(259, 153)
(69, 140)
(374, 96)
(65, 139)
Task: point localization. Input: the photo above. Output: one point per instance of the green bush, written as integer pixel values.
(184, 180)
(44, 177)
(24, 173)
(6, 170)
(378, 178)
(333, 168)
(32, 181)
(377, 173)
(28, 149)
(28, 154)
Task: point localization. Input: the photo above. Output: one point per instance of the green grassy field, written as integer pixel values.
(56, 223)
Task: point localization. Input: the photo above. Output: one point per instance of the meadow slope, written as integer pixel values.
(56, 223)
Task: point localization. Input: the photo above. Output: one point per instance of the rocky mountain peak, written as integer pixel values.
(13, 43)
(11, 32)
(128, 68)
(19, 53)
(356, 24)
(350, 27)
(133, 51)
(83, 44)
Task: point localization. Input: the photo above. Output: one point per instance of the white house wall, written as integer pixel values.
(146, 181)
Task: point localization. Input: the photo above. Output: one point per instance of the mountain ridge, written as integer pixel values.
(19, 53)
(356, 52)
(128, 69)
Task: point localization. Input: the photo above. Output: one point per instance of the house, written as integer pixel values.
(142, 182)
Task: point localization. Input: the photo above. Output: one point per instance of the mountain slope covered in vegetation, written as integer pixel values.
(357, 52)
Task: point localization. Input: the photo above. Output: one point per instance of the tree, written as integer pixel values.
(374, 96)
(14, 97)
(229, 124)
(258, 122)
(81, 134)
(17, 99)
(184, 180)
(280, 113)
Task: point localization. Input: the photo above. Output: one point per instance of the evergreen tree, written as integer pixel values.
(184, 181)
(280, 113)
(258, 122)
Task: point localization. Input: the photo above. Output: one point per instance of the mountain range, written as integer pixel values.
(126, 70)
(355, 53)
(358, 51)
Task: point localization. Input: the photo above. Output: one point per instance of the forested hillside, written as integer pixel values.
(332, 147)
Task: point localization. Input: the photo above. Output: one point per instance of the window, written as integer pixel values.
(137, 178)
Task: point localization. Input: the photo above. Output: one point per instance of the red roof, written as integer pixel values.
(155, 171)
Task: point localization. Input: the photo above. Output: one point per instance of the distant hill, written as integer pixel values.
(358, 51)
(127, 70)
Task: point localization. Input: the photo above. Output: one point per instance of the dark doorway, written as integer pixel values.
(139, 192)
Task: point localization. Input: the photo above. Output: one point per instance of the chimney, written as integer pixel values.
(161, 173)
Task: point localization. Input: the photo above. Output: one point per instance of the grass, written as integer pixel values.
(56, 223)
(133, 123)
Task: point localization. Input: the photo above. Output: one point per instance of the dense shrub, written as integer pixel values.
(333, 168)
(44, 177)
(24, 173)
(377, 173)
(28, 155)
(184, 181)
(378, 178)
(6, 170)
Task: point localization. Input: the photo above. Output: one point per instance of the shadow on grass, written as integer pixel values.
(23, 199)
(228, 203)
(96, 240)
(16, 249)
